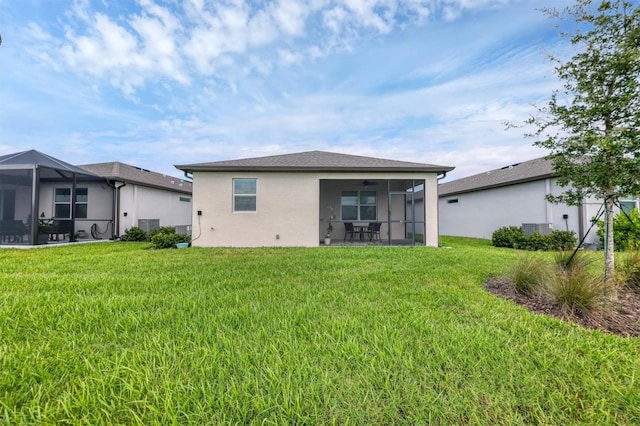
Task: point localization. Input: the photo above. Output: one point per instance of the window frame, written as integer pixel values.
(236, 196)
(79, 192)
(359, 205)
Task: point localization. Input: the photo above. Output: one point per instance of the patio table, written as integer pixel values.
(360, 229)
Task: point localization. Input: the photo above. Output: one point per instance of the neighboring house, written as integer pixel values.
(144, 198)
(286, 200)
(41, 196)
(477, 205)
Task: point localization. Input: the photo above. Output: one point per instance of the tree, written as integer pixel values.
(592, 127)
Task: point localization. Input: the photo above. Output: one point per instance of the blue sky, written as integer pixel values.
(155, 83)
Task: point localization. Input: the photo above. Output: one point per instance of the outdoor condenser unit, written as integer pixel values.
(541, 228)
(149, 224)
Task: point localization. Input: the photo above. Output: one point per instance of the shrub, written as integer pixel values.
(508, 236)
(528, 274)
(566, 259)
(162, 230)
(135, 234)
(563, 240)
(166, 237)
(536, 242)
(628, 271)
(576, 289)
(626, 231)
(514, 237)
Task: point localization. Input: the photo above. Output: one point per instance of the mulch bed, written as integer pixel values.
(622, 317)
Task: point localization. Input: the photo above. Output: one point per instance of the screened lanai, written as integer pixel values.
(42, 197)
(396, 204)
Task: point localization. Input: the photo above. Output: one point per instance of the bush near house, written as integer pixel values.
(135, 234)
(514, 237)
(166, 237)
(508, 236)
(626, 231)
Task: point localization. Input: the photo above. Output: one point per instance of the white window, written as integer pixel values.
(359, 205)
(62, 203)
(244, 195)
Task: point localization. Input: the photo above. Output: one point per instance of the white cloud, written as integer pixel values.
(372, 13)
(288, 57)
(290, 16)
(202, 38)
(216, 80)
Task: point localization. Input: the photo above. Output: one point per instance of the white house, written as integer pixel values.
(42, 197)
(144, 198)
(477, 205)
(286, 200)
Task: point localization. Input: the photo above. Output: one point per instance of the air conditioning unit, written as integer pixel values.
(541, 228)
(183, 229)
(149, 224)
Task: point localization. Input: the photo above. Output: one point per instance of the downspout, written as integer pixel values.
(115, 201)
(116, 209)
(439, 177)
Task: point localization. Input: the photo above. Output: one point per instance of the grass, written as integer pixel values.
(529, 273)
(628, 270)
(577, 289)
(118, 333)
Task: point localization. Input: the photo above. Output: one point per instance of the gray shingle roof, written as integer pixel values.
(311, 161)
(509, 175)
(130, 174)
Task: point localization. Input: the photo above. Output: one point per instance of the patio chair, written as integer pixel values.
(12, 231)
(348, 230)
(374, 230)
(60, 227)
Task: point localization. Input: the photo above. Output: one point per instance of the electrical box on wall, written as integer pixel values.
(199, 212)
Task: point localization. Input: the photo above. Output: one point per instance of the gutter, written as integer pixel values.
(115, 214)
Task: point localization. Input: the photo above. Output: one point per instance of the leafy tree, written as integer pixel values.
(626, 229)
(592, 127)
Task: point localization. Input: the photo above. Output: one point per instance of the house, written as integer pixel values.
(41, 196)
(44, 198)
(287, 200)
(514, 195)
(144, 198)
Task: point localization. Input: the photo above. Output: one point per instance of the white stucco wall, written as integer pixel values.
(286, 212)
(290, 208)
(433, 211)
(478, 214)
(143, 202)
(99, 202)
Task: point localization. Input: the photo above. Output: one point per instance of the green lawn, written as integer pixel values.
(116, 333)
